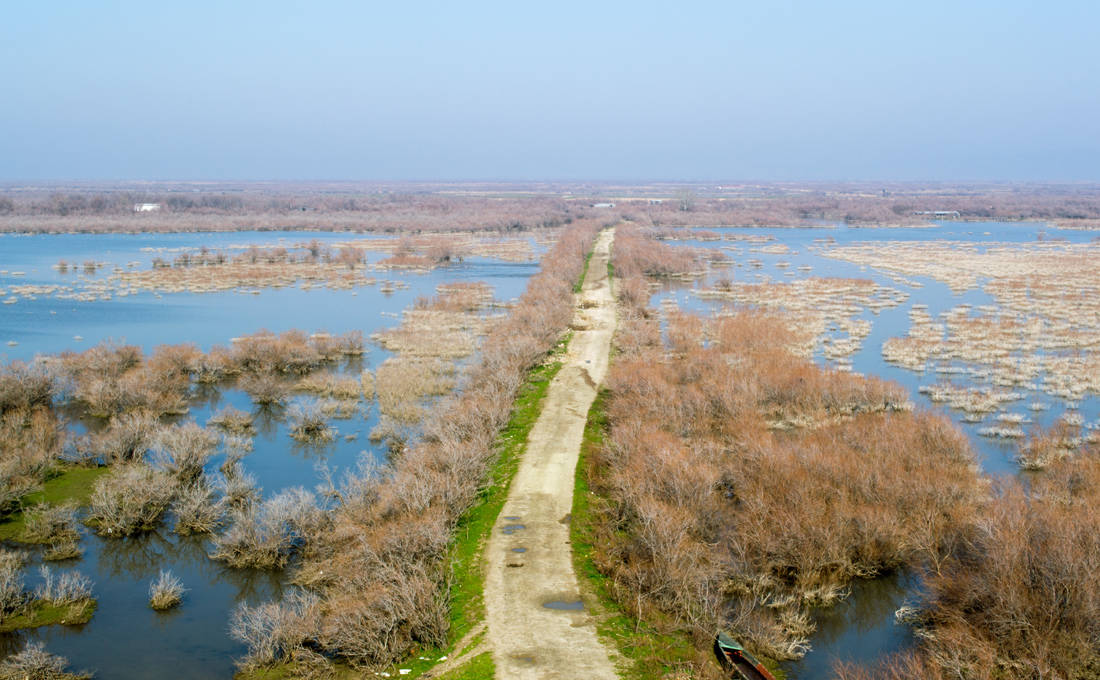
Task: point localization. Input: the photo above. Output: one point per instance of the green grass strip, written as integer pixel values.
(67, 483)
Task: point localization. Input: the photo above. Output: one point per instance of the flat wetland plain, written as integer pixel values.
(126, 638)
(316, 354)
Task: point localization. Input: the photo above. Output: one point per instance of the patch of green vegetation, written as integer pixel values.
(66, 483)
(41, 613)
(584, 272)
(477, 668)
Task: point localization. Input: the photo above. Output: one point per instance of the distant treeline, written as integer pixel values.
(513, 207)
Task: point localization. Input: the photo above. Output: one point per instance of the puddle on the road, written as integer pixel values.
(519, 550)
(509, 529)
(511, 518)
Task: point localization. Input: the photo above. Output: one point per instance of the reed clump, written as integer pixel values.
(232, 420)
(166, 592)
(308, 422)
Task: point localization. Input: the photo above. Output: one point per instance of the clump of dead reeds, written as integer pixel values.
(232, 420)
(166, 592)
(309, 423)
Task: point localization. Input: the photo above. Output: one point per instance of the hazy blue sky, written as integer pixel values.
(929, 89)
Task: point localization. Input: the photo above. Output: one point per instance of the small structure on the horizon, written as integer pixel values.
(146, 207)
(603, 205)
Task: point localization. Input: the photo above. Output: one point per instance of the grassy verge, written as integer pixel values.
(44, 614)
(584, 272)
(67, 483)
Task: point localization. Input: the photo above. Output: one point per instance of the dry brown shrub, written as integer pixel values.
(379, 569)
(129, 500)
(744, 484)
(30, 442)
(1020, 598)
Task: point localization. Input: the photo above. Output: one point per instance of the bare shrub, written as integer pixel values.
(308, 422)
(1019, 598)
(12, 594)
(238, 487)
(45, 523)
(265, 389)
(126, 438)
(275, 631)
(25, 386)
(745, 484)
(182, 451)
(1045, 447)
(232, 420)
(30, 443)
(66, 588)
(131, 499)
(265, 535)
(166, 592)
(197, 509)
(379, 568)
(33, 662)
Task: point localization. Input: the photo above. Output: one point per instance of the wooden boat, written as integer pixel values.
(735, 658)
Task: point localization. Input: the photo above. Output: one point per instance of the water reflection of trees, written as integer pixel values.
(870, 605)
(267, 417)
(135, 556)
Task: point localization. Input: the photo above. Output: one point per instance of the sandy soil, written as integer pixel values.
(528, 639)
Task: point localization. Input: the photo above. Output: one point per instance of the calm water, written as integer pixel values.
(127, 639)
(862, 628)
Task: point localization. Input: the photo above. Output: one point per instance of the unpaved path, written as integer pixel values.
(529, 558)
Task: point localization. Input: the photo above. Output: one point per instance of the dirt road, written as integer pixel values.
(536, 626)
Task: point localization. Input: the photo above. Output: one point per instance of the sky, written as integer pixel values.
(778, 90)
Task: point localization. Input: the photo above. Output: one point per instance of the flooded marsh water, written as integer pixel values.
(930, 287)
(126, 638)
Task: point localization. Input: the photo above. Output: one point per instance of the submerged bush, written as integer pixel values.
(308, 422)
(12, 594)
(166, 592)
(197, 509)
(131, 499)
(265, 535)
(182, 450)
(232, 420)
(275, 630)
(33, 662)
